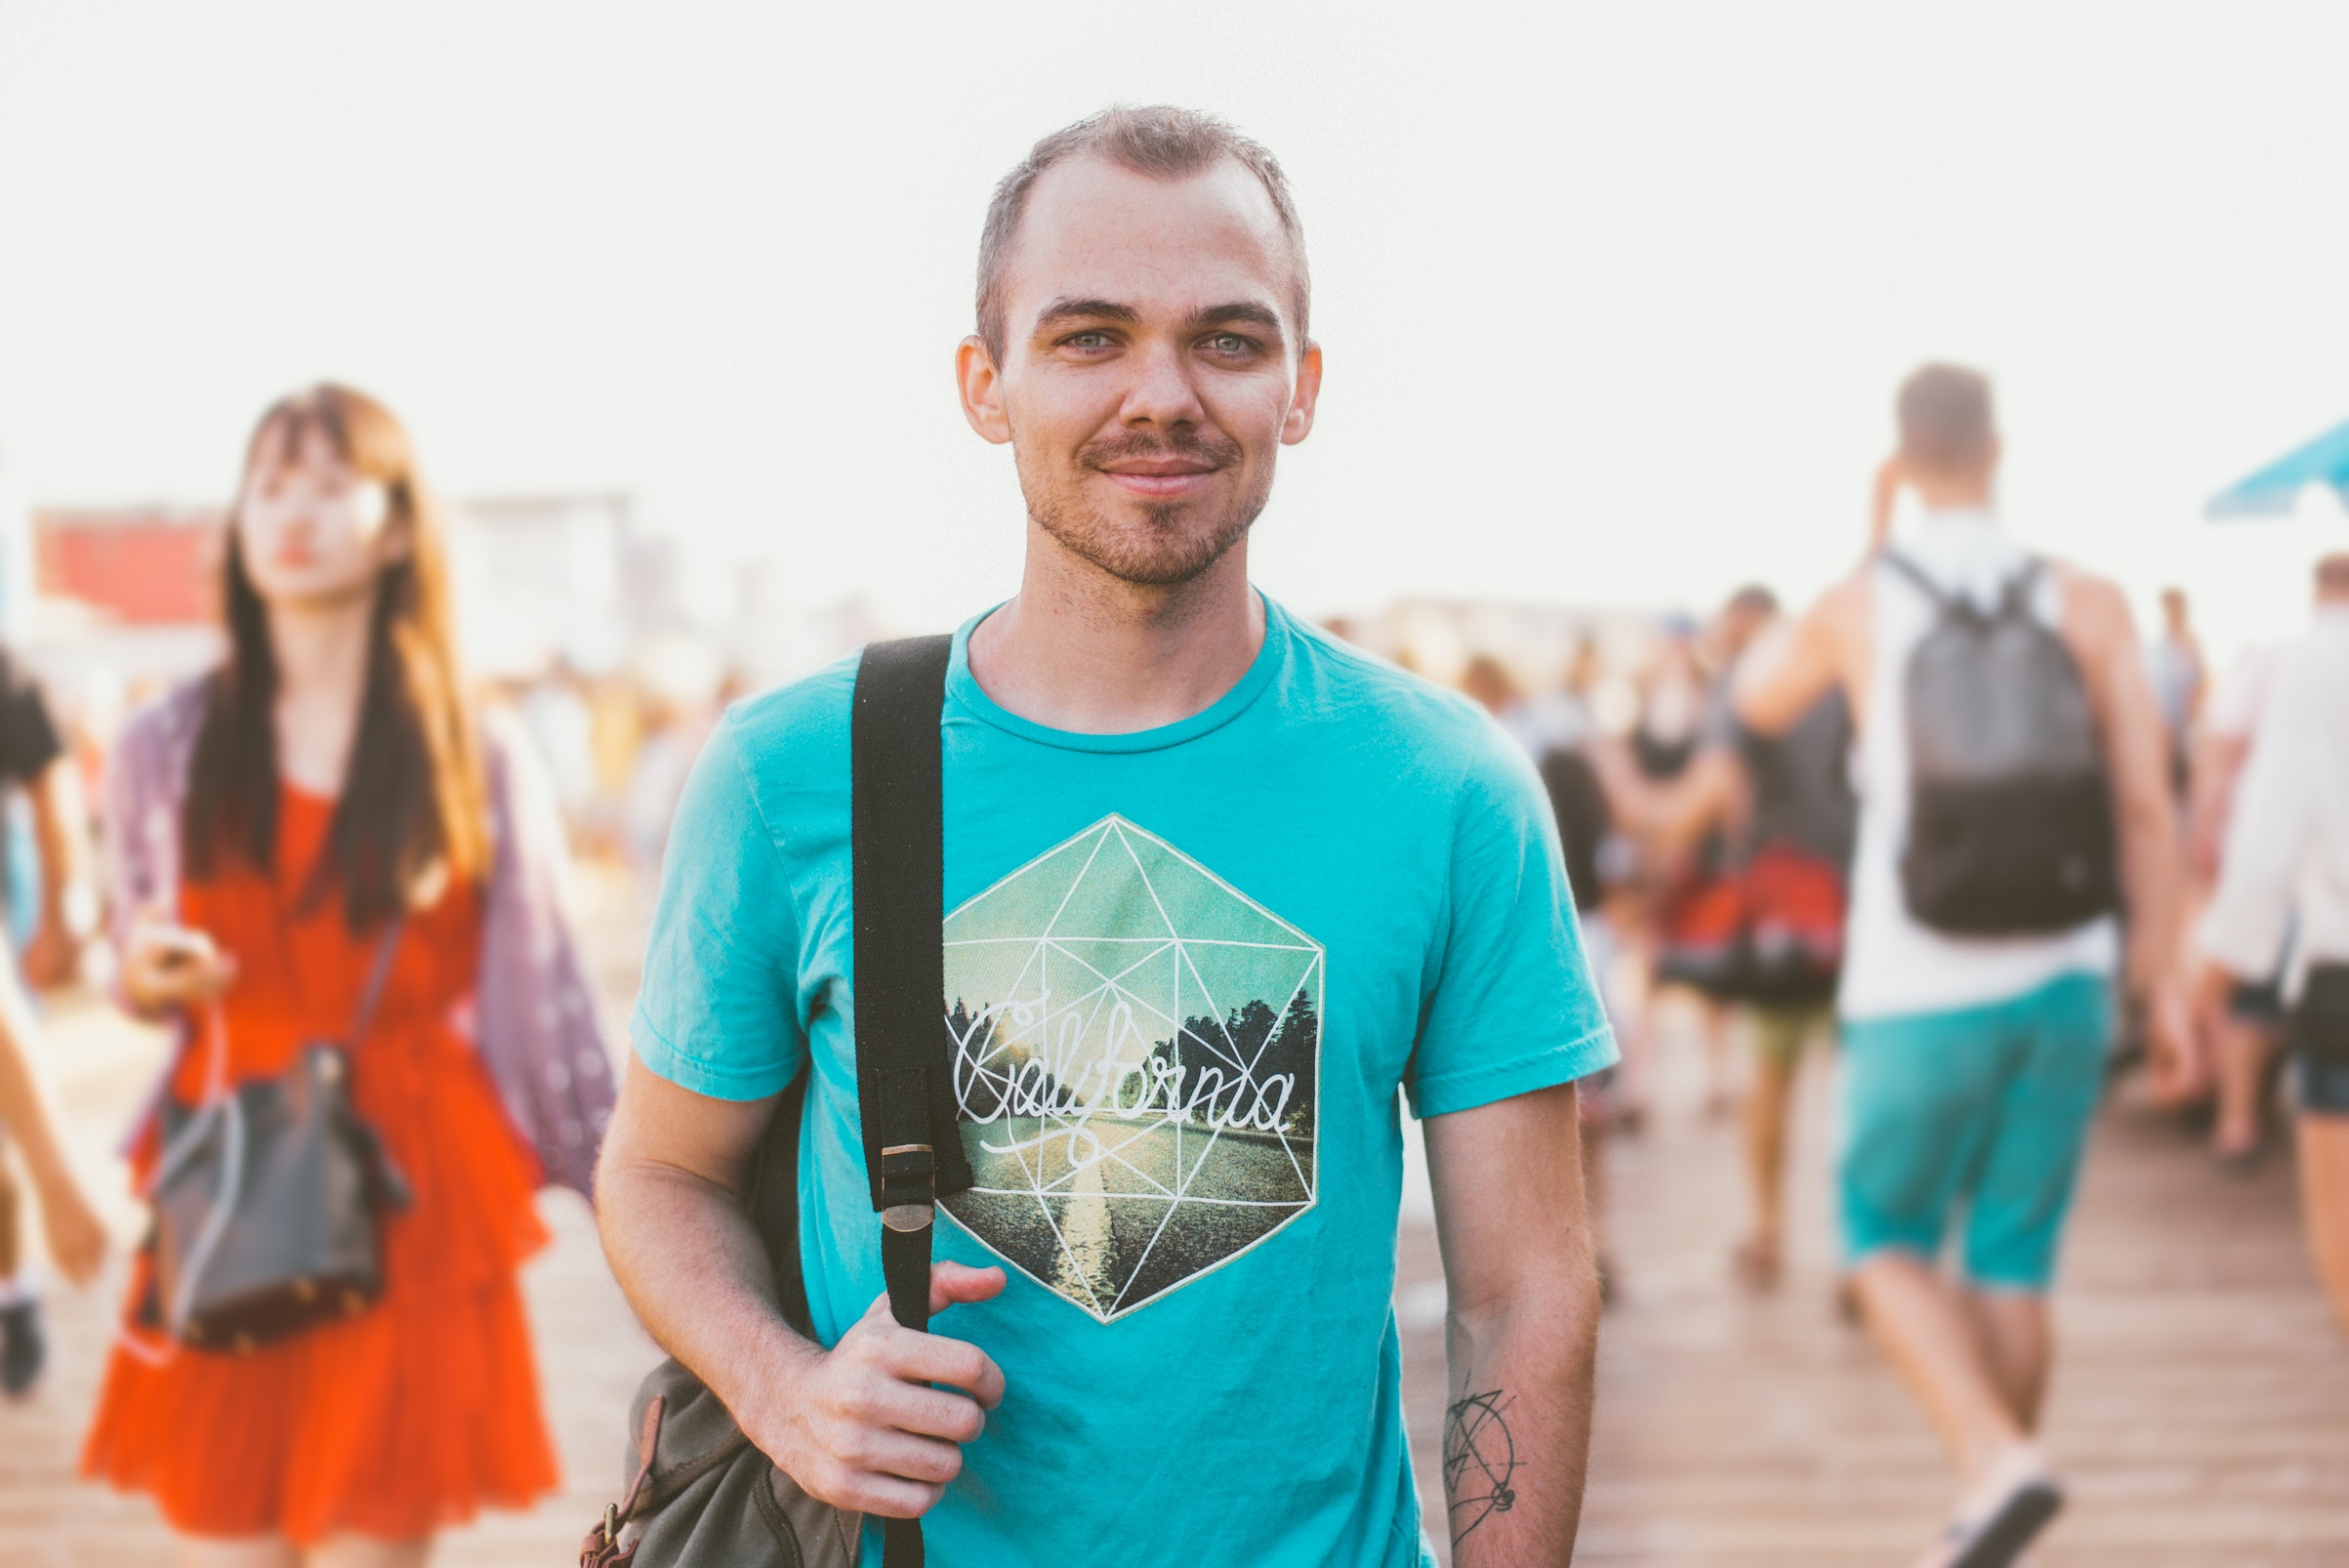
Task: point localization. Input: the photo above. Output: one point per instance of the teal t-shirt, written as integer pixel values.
(1187, 969)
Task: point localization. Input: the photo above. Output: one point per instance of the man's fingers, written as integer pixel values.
(888, 1497)
(934, 1358)
(926, 1412)
(950, 1282)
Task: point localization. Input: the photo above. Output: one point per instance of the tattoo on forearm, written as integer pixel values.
(1480, 1459)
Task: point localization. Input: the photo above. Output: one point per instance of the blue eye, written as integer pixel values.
(1228, 343)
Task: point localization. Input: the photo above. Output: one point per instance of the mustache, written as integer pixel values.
(1211, 447)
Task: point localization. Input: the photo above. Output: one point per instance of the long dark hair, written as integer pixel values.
(413, 805)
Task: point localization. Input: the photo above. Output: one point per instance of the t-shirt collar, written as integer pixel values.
(964, 690)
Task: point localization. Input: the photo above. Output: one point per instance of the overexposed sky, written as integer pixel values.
(1613, 296)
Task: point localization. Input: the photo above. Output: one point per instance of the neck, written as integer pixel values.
(1080, 651)
(1953, 492)
(321, 649)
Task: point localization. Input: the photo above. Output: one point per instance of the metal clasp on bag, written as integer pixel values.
(908, 1186)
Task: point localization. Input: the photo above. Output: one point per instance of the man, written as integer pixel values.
(2286, 865)
(1181, 828)
(1784, 805)
(33, 758)
(1972, 1062)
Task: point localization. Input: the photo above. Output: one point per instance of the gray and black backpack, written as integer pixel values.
(2011, 829)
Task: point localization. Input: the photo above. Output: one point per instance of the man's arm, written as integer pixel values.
(61, 828)
(2103, 638)
(857, 1426)
(1522, 1330)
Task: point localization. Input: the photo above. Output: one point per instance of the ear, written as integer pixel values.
(1300, 421)
(981, 387)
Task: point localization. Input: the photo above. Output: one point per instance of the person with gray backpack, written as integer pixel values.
(2015, 804)
(1068, 975)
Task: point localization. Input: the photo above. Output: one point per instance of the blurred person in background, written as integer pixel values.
(51, 864)
(2173, 660)
(2014, 788)
(1783, 807)
(328, 801)
(1561, 737)
(77, 1236)
(2239, 1047)
(1678, 701)
(2283, 905)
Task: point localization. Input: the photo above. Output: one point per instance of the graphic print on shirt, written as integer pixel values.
(1137, 1054)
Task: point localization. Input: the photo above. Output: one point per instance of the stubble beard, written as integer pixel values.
(1170, 543)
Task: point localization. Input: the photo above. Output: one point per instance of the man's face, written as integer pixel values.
(1152, 365)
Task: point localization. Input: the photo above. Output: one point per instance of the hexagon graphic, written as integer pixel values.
(1137, 1055)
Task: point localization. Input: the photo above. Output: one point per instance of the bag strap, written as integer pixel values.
(904, 1064)
(379, 975)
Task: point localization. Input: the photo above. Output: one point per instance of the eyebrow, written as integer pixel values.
(1238, 312)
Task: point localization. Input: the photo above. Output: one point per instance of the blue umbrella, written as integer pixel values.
(2272, 491)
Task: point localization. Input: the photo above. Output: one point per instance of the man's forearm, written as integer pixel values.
(690, 1263)
(1517, 1424)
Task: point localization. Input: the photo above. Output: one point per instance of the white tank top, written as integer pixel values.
(1891, 964)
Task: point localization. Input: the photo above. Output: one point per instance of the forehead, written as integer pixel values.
(292, 443)
(1092, 229)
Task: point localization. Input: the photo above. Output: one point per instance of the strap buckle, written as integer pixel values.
(908, 1186)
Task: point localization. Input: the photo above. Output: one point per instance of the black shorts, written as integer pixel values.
(2257, 1001)
(2321, 1041)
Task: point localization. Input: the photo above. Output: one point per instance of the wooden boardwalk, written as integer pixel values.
(2202, 1406)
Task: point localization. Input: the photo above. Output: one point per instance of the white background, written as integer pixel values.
(1614, 297)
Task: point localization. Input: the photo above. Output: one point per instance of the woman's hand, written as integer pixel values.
(167, 967)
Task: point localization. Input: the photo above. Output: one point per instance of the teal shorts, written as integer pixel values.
(1983, 1110)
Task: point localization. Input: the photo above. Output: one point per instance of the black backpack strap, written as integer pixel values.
(904, 1069)
(1916, 578)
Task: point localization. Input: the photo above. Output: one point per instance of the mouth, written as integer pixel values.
(1160, 478)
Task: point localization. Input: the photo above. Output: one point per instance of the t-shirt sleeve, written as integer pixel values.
(29, 738)
(1512, 1006)
(718, 1011)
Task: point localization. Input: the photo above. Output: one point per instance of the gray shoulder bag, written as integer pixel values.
(700, 1493)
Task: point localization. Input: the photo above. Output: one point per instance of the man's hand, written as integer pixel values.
(77, 1237)
(858, 1426)
(52, 956)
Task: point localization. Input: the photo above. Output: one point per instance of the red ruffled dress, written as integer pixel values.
(420, 1410)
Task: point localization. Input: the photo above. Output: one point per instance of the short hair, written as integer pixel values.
(1753, 599)
(1160, 141)
(1944, 416)
(2333, 573)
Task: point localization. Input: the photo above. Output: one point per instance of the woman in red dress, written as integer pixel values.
(337, 780)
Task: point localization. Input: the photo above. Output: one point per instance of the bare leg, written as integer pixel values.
(2324, 1202)
(366, 1551)
(2245, 1050)
(11, 1206)
(1926, 1331)
(2017, 1345)
(256, 1552)
(1769, 1107)
(1713, 1023)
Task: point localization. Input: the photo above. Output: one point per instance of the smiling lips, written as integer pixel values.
(1161, 478)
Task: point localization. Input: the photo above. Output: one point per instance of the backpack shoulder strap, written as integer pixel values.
(904, 1072)
(2014, 598)
(1916, 577)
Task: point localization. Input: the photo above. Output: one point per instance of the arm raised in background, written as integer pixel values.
(857, 1425)
(1794, 664)
(1521, 1327)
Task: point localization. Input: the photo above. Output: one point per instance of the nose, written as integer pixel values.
(1162, 394)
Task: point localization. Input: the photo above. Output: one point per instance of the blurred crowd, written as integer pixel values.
(1722, 786)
